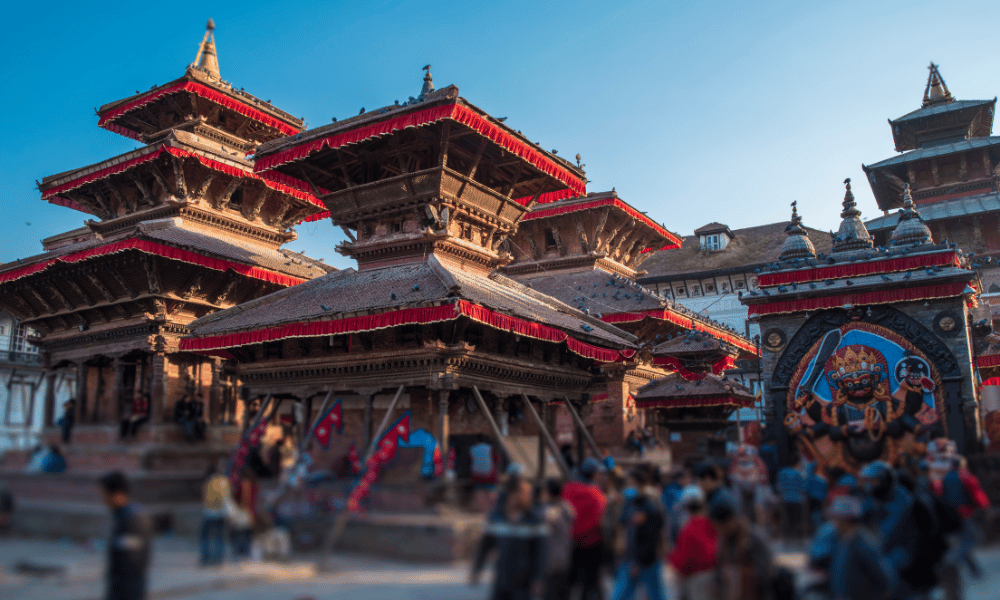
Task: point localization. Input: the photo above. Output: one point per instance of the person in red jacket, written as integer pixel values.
(960, 490)
(588, 503)
(693, 558)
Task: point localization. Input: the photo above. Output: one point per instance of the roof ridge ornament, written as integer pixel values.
(798, 244)
(428, 86)
(936, 91)
(853, 235)
(207, 60)
(911, 228)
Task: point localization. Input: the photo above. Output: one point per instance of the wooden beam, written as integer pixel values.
(381, 427)
(251, 209)
(147, 195)
(45, 305)
(123, 206)
(581, 233)
(513, 180)
(558, 239)
(445, 142)
(532, 231)
(194, 286)
(79, 291)
(305, 177)
(602, 220)
(228, 290)
(23, 304)
(276, 219)
(180, 183)
(223, 201)
(152, 279)
(347, 179)
(474, 167)
(348, 233)
(60, 296)
(583, 428)
(102, 201)
(204, 185)
(121, 281)
(158, 176)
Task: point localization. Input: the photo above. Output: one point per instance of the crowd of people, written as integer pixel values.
(886, 534)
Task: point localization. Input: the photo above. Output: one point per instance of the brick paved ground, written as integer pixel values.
(175, 576)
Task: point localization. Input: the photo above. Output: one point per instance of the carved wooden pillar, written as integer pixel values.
(443, 424)
(50, 399)
(81, 391)
(158, 386)
(112, 408)
(213, 406)
(543, 410)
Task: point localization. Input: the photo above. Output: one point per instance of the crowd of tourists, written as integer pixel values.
(886, 534)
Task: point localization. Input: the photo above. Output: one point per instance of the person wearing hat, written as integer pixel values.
(588, 503)
(693, 557)
(858, 569)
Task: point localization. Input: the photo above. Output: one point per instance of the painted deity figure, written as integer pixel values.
(865, 421)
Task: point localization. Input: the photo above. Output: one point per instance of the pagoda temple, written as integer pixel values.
(182, 227)
(868, 350)
(587, 252)
(951, 162)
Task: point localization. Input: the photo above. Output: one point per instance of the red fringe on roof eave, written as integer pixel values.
(666, 315)
(407, 316)
(723, 364)
(991, 380)
(208, 162)
(893, 265)
(931, 292)
(66, 202)
(696, 402)
(616, 202)
(984, 362)
(205, 92)
(162, 250)
(461, 114)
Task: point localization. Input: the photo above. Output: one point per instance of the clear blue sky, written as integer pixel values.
(695, 112)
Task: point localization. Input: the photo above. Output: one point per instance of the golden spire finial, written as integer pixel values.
(936, 91)
(207, 60)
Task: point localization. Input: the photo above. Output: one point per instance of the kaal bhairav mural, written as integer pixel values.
(863, 393)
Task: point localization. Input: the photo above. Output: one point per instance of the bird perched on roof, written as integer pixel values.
(324, 307)
(392, 295)
(795, 286)
(828, 281)
(908, 275)
(929, 271)
(886, 278)
(416, 287)
(812, 286)
(502, 119)
(334, 120)
(362, 111)
(586, 327)
(830, 260)
(782, 289)
(848, 282)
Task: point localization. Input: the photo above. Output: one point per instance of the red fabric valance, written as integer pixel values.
(551, 211)
(892, 265)
(267, 179)
(930, 292)
(547, 197)
(461, 114)
(60, 201)
(673, 363)
(695, 402)
(203, 91)
(406, 316)
(983, 362)
(991, 380)
(148, 247)
(677, 319)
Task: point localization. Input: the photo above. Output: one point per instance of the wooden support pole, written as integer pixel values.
(548, 437)
(583, 430)
(381, 426)
(493, 424)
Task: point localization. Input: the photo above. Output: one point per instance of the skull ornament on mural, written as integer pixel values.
(878, 402)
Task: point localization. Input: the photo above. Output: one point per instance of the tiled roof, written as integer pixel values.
(751, 246)
(349, 292)
(596, 290)
(676, 387)
(946, 209)
(174, 233)
(695, 342)
(711, 227)
(925, 153)
(921, 113)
